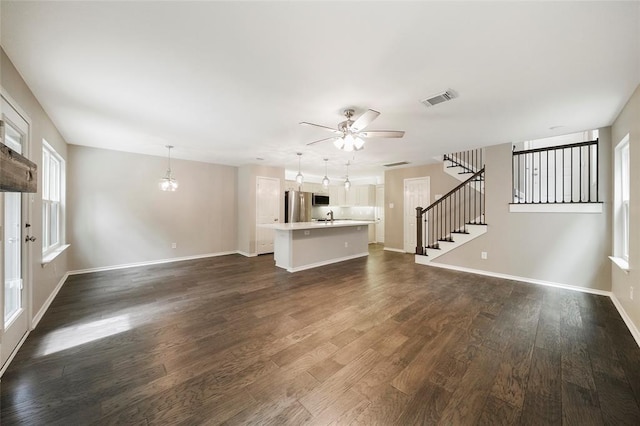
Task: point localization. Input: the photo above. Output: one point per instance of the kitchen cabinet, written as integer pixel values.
(356, 196)
(316, 188)
(363, 195)
(337, 196)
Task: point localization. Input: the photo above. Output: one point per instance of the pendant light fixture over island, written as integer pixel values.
(168, 182)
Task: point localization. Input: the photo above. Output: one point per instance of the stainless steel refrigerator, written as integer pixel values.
(297, 206)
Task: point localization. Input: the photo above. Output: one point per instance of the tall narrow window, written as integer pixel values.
(622, 180)
(52, 190)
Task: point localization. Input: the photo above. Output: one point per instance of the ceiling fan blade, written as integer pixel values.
(382, 134)
(321, 140)
(364, 120)
(331, 129)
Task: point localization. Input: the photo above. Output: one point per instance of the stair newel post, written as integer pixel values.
(419, 246)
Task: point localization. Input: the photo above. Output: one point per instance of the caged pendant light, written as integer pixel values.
(347, 184)
(299, 177)
(168, 182)
(325, 179)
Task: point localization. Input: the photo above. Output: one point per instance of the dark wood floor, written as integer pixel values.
(378, 340)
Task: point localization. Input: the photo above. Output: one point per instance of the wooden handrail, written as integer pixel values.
(475, 175)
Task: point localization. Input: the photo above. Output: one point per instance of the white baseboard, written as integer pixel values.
(627, 320)
(514, 278)
(325, 262)
(394, 250)
(150, 262)
(625, 317)
(245, 254)
(36, 319)
(13, 354)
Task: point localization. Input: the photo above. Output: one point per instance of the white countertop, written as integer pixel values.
(316, 225)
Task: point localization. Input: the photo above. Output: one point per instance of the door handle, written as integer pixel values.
(28, 238)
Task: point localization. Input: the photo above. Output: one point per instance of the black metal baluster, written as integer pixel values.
(589, 179)
(563, 198)
(540, 181)
(597, 169)
(580, 170)
(547, 178)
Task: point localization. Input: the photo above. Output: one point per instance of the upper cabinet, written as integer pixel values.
(358, 195)
(316, 188)
(337, 196)
(365, 195)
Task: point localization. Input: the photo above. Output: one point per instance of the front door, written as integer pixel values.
(15, 228)
(416, 194)
(267, 212)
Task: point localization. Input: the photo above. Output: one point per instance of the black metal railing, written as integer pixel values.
(470, 161)
(463, 205)
(556, 174)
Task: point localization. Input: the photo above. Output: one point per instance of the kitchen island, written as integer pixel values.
(305, 245)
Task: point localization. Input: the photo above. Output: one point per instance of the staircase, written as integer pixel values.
(459, 216)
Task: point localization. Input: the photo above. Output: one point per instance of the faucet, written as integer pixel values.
(330, 213)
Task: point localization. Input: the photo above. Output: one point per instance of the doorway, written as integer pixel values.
(267, 212)
(416, 194)
(14, 217)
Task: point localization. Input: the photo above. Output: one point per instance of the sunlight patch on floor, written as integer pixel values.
(69, 337)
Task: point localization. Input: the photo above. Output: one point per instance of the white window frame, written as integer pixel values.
(53, 197)
(621, 202)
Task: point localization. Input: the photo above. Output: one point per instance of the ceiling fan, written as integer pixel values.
(350, 134)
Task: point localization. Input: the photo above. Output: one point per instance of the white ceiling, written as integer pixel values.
(226, 82)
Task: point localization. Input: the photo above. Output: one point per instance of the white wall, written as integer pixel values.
(118, 215)
(247, 203)
(46, 279)
(628, 122)
(564, 248)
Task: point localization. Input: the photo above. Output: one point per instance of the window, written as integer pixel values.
(622, 180)
(52, 196)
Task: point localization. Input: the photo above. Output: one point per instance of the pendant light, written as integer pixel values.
(168, 182)
(299, 177)
(347, 184)
(325, 179)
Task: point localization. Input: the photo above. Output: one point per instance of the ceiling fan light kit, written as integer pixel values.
(351, 135)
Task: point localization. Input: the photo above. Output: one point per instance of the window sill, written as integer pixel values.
(621, 263)
(555, 208)
(49, 257)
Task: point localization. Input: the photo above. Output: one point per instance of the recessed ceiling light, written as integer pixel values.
(555, 127)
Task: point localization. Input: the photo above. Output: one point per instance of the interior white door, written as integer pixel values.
(416, 194)
(380, 214)
(268, 202)
(15, 227)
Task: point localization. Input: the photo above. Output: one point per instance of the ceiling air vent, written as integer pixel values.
(439, 98)
(399, 163)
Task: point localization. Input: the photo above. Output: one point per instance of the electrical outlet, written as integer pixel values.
(631, 293)
(483, 255)
(174, 245)
(346, 244)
